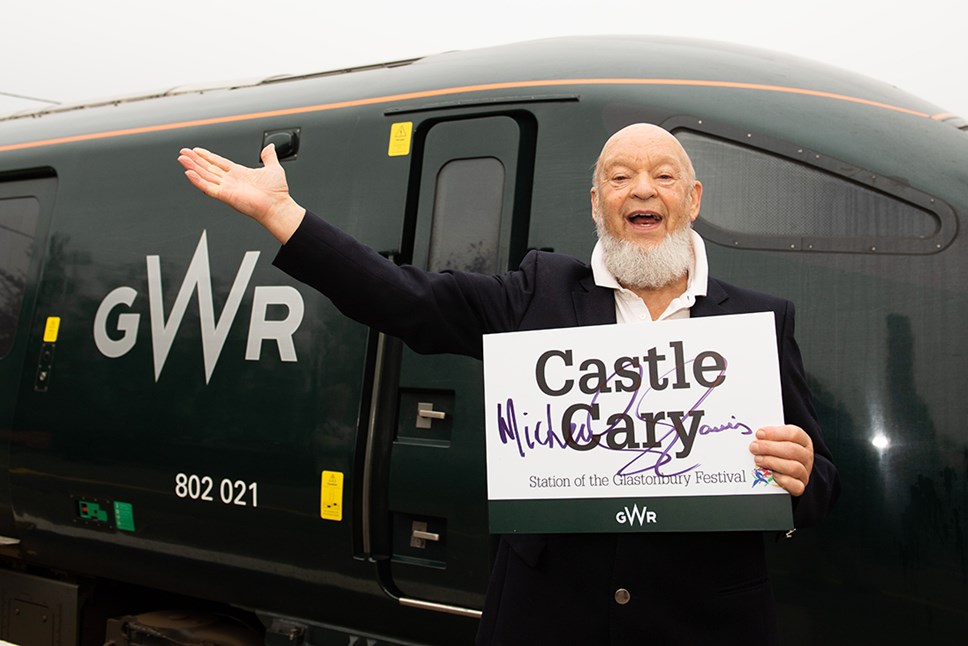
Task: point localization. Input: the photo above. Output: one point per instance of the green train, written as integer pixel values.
(194, 446)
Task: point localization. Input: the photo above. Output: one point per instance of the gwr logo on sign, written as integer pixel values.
(635, 515)
(198, 278)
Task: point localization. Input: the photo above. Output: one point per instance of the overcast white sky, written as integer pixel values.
(72, 50)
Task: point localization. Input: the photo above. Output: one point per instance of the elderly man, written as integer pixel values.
(662, 588)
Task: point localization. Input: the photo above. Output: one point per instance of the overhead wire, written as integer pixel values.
(28, 98)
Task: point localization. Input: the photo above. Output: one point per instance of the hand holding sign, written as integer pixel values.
(787, 451)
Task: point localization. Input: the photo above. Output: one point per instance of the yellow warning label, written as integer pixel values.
(400, 139)
(51, 330)
(331, 496)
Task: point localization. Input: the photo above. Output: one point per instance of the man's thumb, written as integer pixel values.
(268, 155)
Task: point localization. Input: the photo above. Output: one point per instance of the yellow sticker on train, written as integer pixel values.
(400, 135)
(331, 496)
(51, 329)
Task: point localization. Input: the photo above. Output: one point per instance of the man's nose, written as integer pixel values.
(643, 187)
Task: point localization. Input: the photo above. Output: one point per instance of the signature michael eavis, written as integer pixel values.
(663, 430)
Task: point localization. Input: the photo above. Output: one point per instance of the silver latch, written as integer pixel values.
(419, 535)
(426, 414)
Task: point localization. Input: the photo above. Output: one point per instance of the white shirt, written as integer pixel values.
(629, 308)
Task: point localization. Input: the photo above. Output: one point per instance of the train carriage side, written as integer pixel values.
(199, 413)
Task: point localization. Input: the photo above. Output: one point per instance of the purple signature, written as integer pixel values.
(665, 433)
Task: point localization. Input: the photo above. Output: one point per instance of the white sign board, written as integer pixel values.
(633, 427)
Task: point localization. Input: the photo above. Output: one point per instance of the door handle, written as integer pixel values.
(419, 535)
(426, 414)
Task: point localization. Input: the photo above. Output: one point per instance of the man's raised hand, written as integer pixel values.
(260, 193)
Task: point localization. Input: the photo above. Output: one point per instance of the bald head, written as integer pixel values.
(643, 137)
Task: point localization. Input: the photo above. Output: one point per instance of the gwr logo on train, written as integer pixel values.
(214, 332)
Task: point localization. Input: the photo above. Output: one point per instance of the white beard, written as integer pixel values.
(637, 267)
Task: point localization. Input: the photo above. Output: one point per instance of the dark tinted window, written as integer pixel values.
(18, 222)
(467, 215)
(748, 191)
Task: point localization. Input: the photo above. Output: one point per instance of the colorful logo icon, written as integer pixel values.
(765, 476)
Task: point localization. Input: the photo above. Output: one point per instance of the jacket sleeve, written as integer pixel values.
(432, 312)
(823, 488)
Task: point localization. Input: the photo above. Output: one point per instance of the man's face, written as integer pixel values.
(645, 188)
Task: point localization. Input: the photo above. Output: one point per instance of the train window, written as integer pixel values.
(467, 215)
(752, 193)
(18, 223)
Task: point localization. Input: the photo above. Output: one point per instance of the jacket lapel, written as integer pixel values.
(713, 303)
(594, 305)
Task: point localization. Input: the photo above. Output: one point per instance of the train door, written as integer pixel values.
(25, 205)
(429, 491)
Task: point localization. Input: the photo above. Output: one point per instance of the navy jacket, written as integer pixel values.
(684, 588)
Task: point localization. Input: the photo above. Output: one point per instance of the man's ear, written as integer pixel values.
(593, 194)
(695, 201)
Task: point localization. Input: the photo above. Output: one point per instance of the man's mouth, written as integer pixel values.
(644, 218)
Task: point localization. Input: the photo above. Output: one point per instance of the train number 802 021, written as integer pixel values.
(227, 491)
